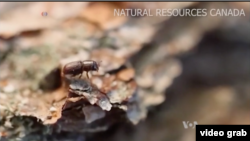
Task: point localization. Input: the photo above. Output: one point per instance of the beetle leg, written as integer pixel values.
(80, 76)
(87, 74)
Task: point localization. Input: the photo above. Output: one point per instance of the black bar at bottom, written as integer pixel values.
(225, 132)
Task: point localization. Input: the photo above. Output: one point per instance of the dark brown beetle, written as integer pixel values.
(78, 67)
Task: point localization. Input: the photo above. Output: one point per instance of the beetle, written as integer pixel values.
(78, 67)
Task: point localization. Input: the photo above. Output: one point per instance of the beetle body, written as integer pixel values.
(75, 68)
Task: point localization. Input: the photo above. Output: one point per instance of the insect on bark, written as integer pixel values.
(78, 67)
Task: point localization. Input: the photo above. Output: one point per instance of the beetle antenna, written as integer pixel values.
(99, 63)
